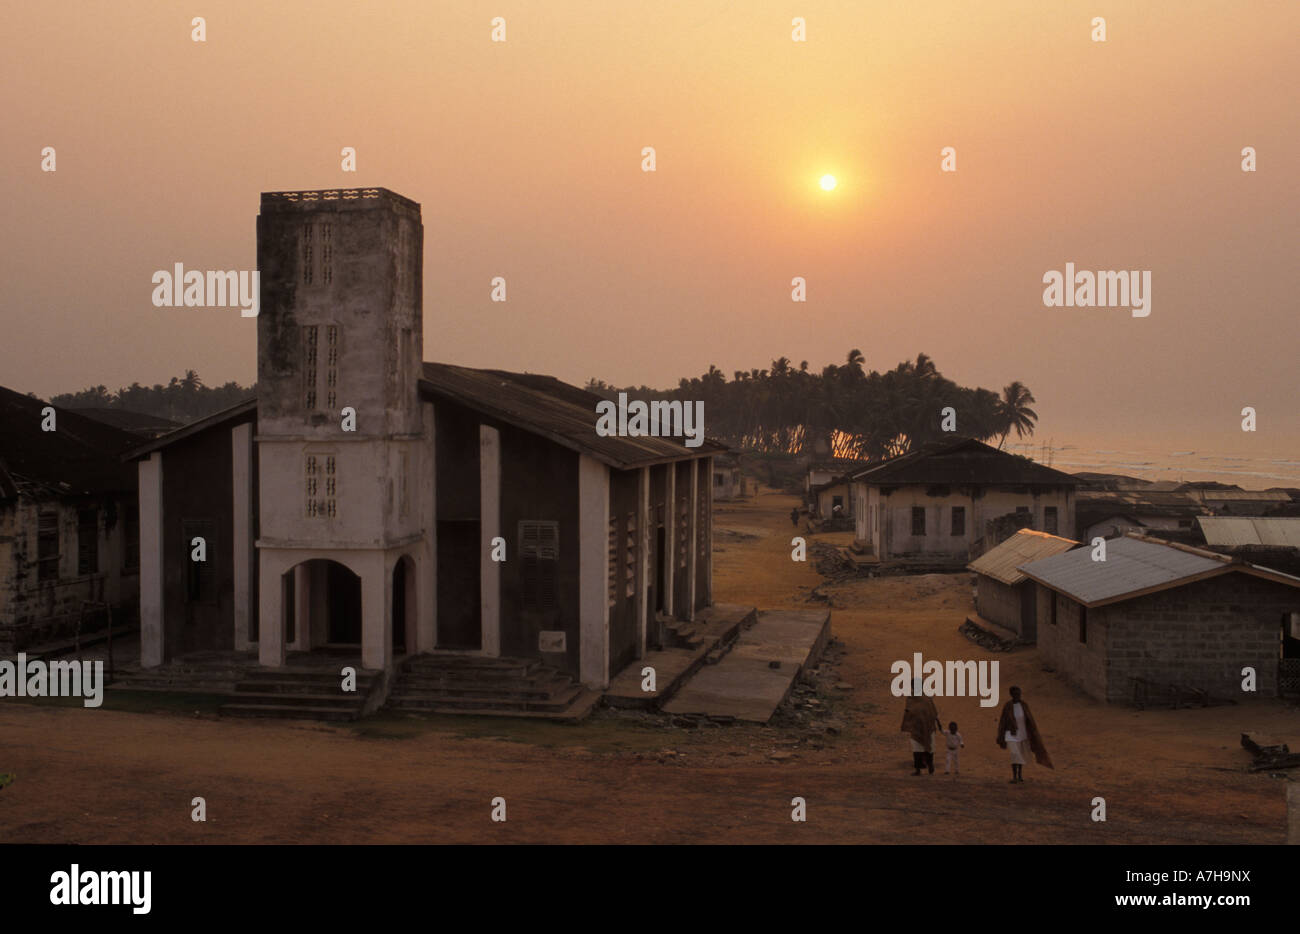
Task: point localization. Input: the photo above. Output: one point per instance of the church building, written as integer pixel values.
(366, 499)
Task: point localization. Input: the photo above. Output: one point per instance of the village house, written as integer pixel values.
(728, 483)
(1112, 513)
(1006, 601)
(69, 539)
(1156, 618)
(368, 501)
(931, 506)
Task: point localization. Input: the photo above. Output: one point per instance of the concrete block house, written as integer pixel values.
(69, 540)
(368, 500)
(1006, 600)
(932, 505)
(1156, 618)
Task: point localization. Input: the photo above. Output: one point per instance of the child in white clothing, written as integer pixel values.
(955, 743)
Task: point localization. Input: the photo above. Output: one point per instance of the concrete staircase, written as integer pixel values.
(496, 687)
(301, 694)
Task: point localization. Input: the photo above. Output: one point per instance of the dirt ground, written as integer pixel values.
(126, 773)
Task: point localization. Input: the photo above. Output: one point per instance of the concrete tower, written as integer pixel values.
(340, 430)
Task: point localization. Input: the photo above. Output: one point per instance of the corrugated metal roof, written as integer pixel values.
(555, 410)
(80, 456)
(1002, 562)
(1235, 531)
(1133, 565)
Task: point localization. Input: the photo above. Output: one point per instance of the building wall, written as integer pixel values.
(884, 516)
(683, 545)
(703, 535)
(1081, 664)
(998, 602)
(623, 587)
(34, 611)
(1198, 636)
(198, 485)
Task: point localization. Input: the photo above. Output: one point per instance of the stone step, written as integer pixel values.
(523, 691)
(288, 712)
(579, 709)
(475, 667)
(348, 701)
(330, 686)
(554, 703)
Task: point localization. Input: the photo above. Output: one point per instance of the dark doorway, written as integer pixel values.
(343, 599)
(399, 605)
(661, 568)
(459, 622)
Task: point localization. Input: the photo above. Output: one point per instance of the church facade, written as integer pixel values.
(369, 500)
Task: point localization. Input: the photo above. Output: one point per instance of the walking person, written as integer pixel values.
(1018, 733)
(920, 721)
(954, 741)
(794, 516)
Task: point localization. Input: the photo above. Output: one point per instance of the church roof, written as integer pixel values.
(554, 410)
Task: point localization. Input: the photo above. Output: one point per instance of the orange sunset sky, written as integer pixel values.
(526, 158)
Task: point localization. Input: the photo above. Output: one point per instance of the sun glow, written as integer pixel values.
(828, 182)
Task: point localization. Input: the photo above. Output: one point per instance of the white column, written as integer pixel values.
(303, 591)
(670, 536)
(489, 462)
(241, 460)
(426, 569)
(692, 540)
(270, 608)
(376, 612)
(151, 560)
(593, 572)
(643, 559)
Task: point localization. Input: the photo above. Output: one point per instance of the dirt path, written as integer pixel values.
(111, 776)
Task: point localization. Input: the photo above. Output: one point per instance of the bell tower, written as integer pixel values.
(339, 338)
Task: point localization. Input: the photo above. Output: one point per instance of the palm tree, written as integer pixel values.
(1016, 413)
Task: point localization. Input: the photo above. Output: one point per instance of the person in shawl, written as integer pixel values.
(1018, 733)
(920, 720)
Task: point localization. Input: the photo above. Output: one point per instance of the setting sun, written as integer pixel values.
(828, 182)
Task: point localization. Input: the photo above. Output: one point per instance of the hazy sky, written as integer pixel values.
(526, 158)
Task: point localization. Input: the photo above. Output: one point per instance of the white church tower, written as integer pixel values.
(341, 438)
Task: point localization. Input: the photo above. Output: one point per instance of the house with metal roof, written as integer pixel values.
(1145, 618)
(1006, 600)
(369, 501)
(930, 506)
(1243, 531)
(68, 534)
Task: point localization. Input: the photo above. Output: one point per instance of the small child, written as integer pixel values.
(955, 743)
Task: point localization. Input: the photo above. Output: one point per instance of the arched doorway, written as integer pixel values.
(322, 601)
(403, 622)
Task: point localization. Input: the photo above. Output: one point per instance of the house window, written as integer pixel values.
(331, 366)
(200, 576)
(1026, 517)
(1083, 624)
(306, 254)
(918, 520)
(958, 520)
(539, 555)
(320, 486)
(1049, 520)
(629, 556)
(47, 546)
(87, 541)
(131, 541)
(719, 479)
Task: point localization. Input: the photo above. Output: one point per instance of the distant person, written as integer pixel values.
(1018, 733)
(920, 722)
(954, 741)
(794, 516)
(837, 510)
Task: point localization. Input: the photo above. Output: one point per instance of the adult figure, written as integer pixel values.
(1018, 733)
(920, 721)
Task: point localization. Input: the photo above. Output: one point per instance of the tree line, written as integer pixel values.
(183, 399)
(844, 410)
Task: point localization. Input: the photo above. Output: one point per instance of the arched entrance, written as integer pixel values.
(403, 620)
(322, 604)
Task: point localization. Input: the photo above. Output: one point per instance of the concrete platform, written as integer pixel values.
(714, 626)
(744, 685)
